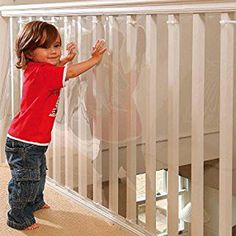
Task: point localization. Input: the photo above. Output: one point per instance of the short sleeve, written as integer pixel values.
(53, 76)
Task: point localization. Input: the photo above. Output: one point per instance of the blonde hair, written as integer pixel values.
(33, 35)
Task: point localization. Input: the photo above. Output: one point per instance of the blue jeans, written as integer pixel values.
(28, 169)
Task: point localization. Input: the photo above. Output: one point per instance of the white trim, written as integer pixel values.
(117, 7)
(25, 141)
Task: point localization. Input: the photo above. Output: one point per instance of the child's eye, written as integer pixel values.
(57, 45)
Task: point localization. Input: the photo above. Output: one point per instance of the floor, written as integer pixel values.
(65, 217)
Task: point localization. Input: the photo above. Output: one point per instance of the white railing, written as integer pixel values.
(120, 7)
(162, 73)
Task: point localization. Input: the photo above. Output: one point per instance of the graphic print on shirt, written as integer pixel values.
(54, 110)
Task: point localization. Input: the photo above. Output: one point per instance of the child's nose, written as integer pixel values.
(53, 50)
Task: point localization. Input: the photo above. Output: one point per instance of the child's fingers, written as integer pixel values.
(99, 48)
(96, 44)
(100, 43)
(103, 50)
(98, 52)
(93, 51)
(70, 45)
(72, 51)
(72, 48)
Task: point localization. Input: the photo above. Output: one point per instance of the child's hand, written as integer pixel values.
(71, 53)
(98, 50)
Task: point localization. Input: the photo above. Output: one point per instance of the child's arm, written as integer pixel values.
(71, 53)
(75, 70)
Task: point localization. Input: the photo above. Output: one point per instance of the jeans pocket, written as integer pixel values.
(26, 174)
(11, 149)
(26, 184)
(13, 156)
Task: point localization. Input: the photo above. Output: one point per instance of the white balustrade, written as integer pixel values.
(82, 140)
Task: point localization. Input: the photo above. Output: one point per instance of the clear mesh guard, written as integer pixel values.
(99, 142)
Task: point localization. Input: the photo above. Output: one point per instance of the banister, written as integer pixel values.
(118, 7)
(104, 3)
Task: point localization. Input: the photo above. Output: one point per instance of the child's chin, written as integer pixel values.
(54, 63)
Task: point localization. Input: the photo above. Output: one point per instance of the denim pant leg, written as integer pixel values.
(19, 216)
(39, 201)
(24, 161)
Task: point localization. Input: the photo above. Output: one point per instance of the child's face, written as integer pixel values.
(50, 55)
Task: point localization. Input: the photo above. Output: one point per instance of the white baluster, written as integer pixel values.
(226, 126)
(113, 147)
(150, 140)
(173, 123)
(131, 119)
(198, 76)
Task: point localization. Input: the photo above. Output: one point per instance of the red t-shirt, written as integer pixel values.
(41, 89)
